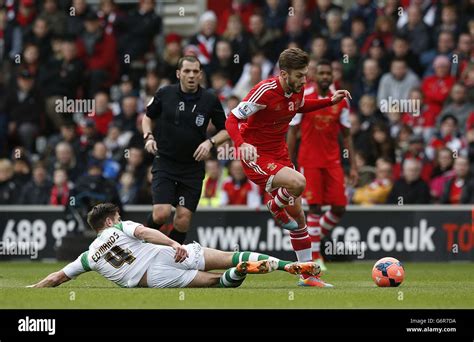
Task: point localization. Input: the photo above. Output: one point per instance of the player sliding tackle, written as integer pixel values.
(259, 125)
(120, 255)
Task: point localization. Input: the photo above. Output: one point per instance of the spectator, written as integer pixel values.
(334, 33)
(377, 191)
(21, 171)
(364, 9)
(384, 28)
(61, 188)
(37, 191)
(464, 53)
(416, 150)
(167, 65)
(54, 17)
(397, 83)
(401, 50)
(295, 31)
(436, 88)
(444, 47)
(368, 84)
(212, 184)
(457, 189)
(61, 78)
(65, 158)
(98, 51)
(9, 189)
(382, 144)
(221, 84)
(75, 23)
(442, 172)
(102, 116)
(205, 40)
(369, 114)
(262, 39)
(243, 9)
(449, 21)
(458, 106)
(366, 172)
(137, 30)
(447, 136)
(423, 121)
(320, 14)
(109, 13)
(410, 189)
(144, 192)
(358, 32)
(24, 106)
(99, 155)
(127, 118)
(350, 59)
(93, 188)
(237, 189)
(238, 38)
(67, 133)
(134, 163)
(127, 188)
(40, 36)
(416, 30)
(359, 136)
(224, 61)
(275, 14)
(319, 48)
(250, 77)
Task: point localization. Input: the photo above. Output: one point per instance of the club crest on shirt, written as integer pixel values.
(199, 120)
(271, 166)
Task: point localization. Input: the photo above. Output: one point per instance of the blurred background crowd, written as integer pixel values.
(119, 54)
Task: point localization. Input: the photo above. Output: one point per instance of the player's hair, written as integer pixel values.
(293, 59)
(99, 213)
(189, 58)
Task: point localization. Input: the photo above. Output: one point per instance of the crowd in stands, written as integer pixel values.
(52, 51)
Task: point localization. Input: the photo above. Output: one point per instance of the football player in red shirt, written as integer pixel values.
(319, 157)
(258, 127)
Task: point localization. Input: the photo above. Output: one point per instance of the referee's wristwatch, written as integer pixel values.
(213, 141)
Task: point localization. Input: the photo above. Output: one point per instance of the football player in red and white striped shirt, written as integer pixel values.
(258, 127)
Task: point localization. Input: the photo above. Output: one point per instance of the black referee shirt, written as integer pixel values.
(181, 121)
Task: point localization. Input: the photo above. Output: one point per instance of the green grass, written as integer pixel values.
(427, 285)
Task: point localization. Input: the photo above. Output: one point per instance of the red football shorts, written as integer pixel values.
(324, 186)
(262, 171)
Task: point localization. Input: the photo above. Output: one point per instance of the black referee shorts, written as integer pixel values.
(176, 184)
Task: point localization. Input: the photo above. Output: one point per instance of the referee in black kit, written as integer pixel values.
(180, 114)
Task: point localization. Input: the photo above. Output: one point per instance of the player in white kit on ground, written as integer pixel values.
(132, 255)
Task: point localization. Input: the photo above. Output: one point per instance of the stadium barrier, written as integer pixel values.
(409, 233)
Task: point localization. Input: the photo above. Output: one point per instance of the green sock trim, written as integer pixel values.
(245, 256)
(263, 257)
(235, 259)
(282, 264)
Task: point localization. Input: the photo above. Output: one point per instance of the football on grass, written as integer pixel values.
(388, 272)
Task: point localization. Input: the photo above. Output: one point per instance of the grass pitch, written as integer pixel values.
(426, 285)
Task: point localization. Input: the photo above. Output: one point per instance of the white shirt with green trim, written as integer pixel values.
(117, 255)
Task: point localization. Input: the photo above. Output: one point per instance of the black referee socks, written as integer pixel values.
(177, 236)
(151, 224)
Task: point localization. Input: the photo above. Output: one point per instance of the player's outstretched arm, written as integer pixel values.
(158, 238)
(311, 105)
(52, 280)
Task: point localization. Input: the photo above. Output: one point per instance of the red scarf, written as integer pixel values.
(59, 195)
